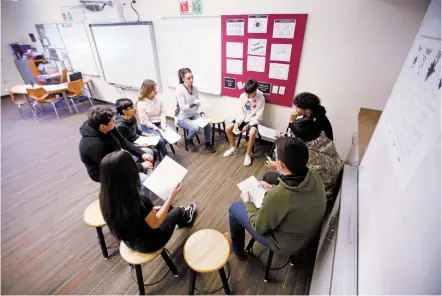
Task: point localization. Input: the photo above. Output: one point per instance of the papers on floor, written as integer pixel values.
(256, 192)
(147, 141)
(201, 122)
(170, 135)
(165, 177)
(267, 132)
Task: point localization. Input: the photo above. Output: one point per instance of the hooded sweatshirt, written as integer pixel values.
(291, 213)
(322, 121)
(252, 110)
(95, 145)
(128, 128)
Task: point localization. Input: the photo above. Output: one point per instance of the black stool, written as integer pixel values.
(247, 139)
(185, 136)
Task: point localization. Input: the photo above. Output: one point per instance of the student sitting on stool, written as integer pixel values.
(250, 116)
(189, 109)
(130, 218)
(291, 211)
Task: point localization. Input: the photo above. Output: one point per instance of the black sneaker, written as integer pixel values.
(210, 148)
(189, 215)
(191, 146)
(240, 256)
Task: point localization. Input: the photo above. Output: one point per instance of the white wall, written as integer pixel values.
(352, 51)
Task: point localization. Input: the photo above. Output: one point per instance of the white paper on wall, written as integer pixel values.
(279, 71)
(235, 28)
(257, 24)
(284, 29)
(275, 89)
(281, 52)
(282, 90)
(256, 64)
(234, 50)
(234, 66)
(257, 47)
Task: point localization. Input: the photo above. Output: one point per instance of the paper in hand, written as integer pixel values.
(201, 122)
(236, 131)
(256, 192)
(170, 135)
(147, 141)
(165, 177)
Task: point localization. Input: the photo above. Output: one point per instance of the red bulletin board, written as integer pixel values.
(229, 82)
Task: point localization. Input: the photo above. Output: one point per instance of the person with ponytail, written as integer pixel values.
(189, 109)
(151, 113)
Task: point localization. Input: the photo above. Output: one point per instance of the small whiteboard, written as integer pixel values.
(76, 43)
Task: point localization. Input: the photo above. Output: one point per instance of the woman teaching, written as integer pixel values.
(189, 109)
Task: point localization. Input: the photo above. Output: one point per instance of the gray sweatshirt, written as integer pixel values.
(185, 99)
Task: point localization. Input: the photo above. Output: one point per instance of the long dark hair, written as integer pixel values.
(181, 73)
(120, 200)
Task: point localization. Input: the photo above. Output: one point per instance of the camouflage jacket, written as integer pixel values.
(324, 159)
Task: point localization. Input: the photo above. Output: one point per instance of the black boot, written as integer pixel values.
(210, 148)
(190, 145)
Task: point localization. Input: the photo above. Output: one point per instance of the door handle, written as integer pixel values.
(331, 235)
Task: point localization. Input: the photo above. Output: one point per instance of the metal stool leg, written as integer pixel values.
(185, 138)
(102, 242)
(219, 129)
(213, 134)
(140, 280)
(171, 148)
(250, 245)
(222, 274)
(192, 281)
(269, 265)
(239, 140)
(169, 263)
(198, 139)
(224, 128)
(292, 260)
(55, 109)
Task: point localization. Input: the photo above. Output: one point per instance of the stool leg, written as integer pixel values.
(198, 139)
(140, 280)
(102, 242)
(213, 134)
(239, 140)
(292, 260)
(169, 263)
(192, 281)
(185, 139)
(224, 128)
(250, 245)
(222, 274)
(171, 148)
(269, 265)
(219, 129)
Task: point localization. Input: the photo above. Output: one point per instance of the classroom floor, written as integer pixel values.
(48, 249)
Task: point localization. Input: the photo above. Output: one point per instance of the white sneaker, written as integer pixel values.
(247, 160)
(231, 151)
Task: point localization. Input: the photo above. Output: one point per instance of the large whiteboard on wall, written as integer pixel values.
(195, 43)
(127, 53)
(400, 178)
(78, 47)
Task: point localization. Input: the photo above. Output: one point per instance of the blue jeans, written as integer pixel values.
(193, 129)
(161, 146)
(239, 222)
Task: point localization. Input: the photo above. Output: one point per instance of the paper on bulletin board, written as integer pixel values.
(257, 24)
(234, 67)
(279, 71)
(234, 50)
(256, 64)
(284, 29)
(240, 85)
(275, 89)
(281, 52)
(282, 90)
(235, 27)
(257, 47)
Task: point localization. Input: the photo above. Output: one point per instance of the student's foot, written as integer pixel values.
(231, 151)
(241, 256)
(210, 148)
(191, 146)
(247, 160)
(189, 215)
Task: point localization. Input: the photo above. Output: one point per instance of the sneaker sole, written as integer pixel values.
(233, 153)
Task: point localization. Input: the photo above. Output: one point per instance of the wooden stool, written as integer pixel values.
(215, 121)
(93, 217)
(136, 259)
(207, 251)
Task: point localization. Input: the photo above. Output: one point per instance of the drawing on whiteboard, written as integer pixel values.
(416, 57)
(432, 67)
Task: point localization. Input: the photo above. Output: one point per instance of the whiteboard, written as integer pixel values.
(77, 45)
(194, 43)
(127, 53)
(400, 178)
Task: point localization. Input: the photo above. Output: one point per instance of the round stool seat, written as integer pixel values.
(92, 215)
(216, 120)
(206, 251)
(134, 257)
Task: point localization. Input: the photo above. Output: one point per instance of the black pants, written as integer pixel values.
(162, 234)
(271, 178)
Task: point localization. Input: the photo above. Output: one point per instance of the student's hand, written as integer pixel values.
(272, 164)
(147, 157)
(147, 134)
(147, 165)
(156, 208)
(265, 185)
(245, 128)
(293, 116)
(197, 102)
(245, 196)
(175, 190)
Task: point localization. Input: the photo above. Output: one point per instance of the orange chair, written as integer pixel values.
(41, 96)
(64, 75)
(75, 89)
(18, 101)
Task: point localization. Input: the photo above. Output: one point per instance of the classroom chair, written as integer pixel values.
(185, 134)
(19, 102)
(94, 218)
(135, 259)
(247, 139)
(75, 90)
(41, 96)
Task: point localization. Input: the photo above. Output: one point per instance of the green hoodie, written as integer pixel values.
(290, 215)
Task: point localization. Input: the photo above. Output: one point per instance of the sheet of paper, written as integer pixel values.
(234, 67)
(165, 177)
(235, 28)
(284, 29)
(275, 89)
(281, 52)
(256, 192)
(201, 122)
(170, 135)
(148, 141)
(234, 50)
(236, 131)
(256, 64)
(282, 90)
(240, 85)
(267, 132)
(257, 46)
(279, 71)
(257, 24)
